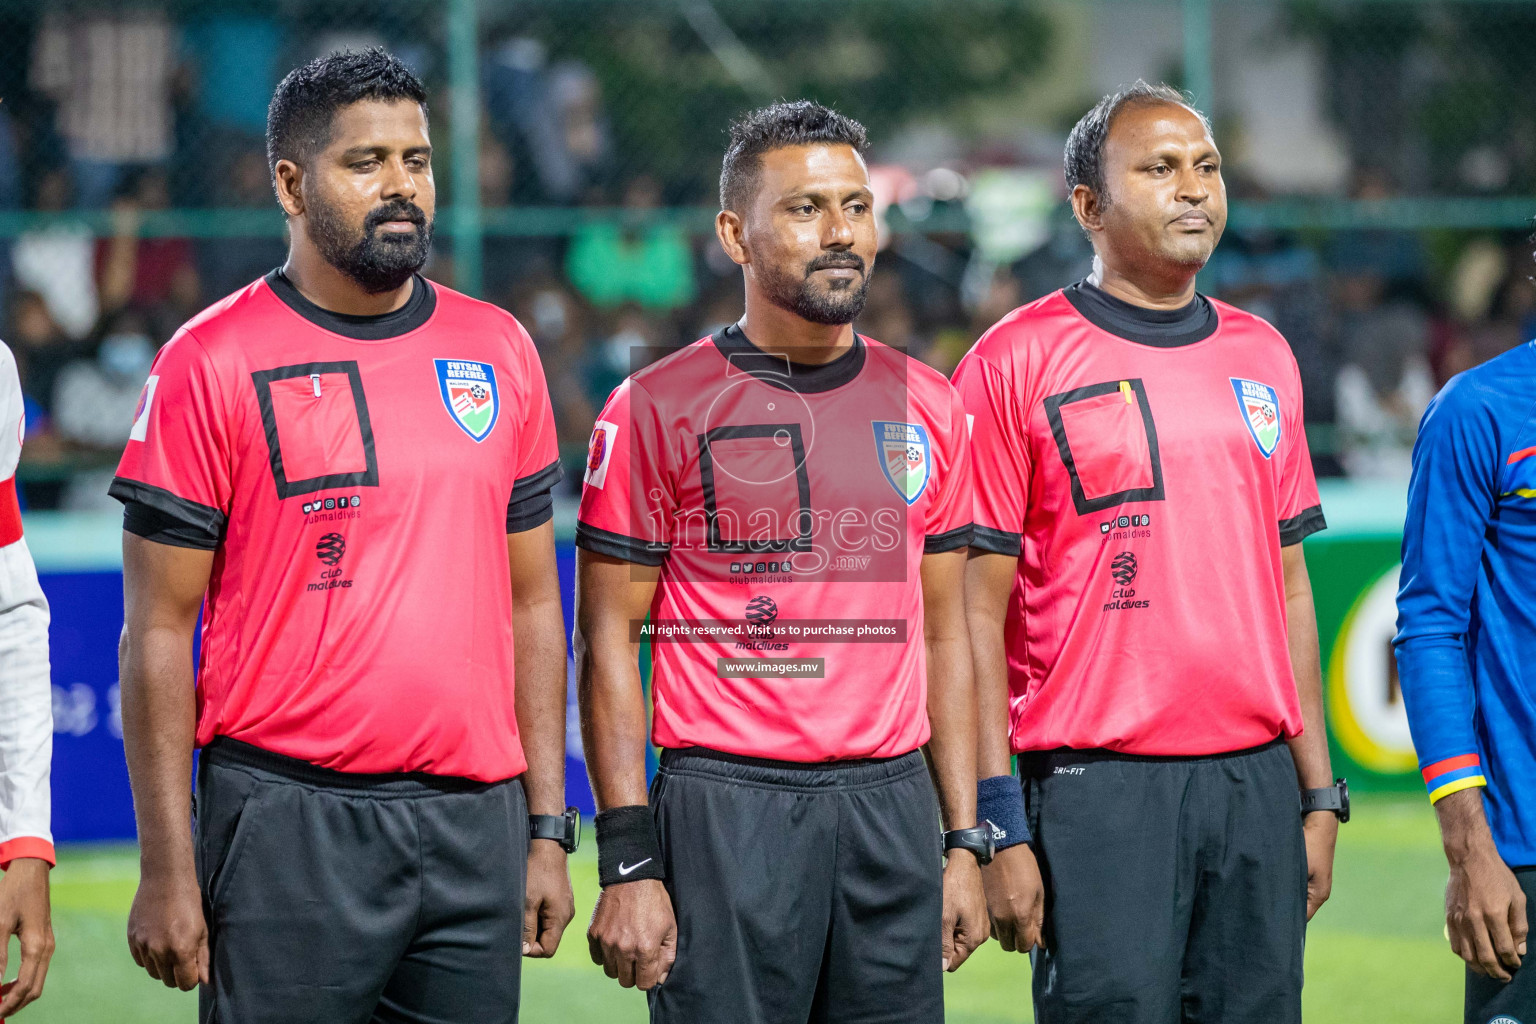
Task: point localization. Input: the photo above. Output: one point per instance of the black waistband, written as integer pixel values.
(1043, 762)
(670, 755)
(236, 753)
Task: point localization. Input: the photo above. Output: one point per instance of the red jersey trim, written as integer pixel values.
(10, 513)
(26, 846)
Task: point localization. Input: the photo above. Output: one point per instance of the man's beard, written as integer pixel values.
(803, 298)
(379, 263)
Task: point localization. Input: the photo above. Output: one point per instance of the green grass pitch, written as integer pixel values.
(1374, 952)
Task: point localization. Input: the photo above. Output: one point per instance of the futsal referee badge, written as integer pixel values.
(1261, 411)
(904, 456)
(469, 393)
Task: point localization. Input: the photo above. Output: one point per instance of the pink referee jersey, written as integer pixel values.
(789, 508)
(1146, 488)
(356, 479)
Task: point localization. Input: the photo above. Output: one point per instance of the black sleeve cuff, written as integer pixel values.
(984, 538)
(156, 514)
(949, 540)
(1302, 525)
(616, 545)
(532, 511)
(535, 484)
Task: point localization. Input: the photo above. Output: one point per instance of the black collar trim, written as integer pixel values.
(1159, 328)
(781, 372)
(418, 309)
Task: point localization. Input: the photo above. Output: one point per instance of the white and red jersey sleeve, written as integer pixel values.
(177, 460)
(999, 441)
(629, 490)
(26, 701)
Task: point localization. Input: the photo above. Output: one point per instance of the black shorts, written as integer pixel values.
(1513, 1002)
(1175, 888)
(802, 893)
(336, 898)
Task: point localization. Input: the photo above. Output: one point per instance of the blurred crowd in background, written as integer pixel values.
(114, 115)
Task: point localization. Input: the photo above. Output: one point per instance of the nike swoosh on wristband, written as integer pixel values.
(633, 867)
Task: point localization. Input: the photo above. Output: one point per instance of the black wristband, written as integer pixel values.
(627, 847)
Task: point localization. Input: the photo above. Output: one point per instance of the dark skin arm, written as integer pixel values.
(1015, 894)
(163, 588)
(538, 637)
(633, 934)
(1485, 908)
(951, 749)
(1310, 749)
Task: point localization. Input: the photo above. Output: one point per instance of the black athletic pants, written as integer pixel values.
(803, 893)
(1514, 1002)
(335, 898)
(1175, 888)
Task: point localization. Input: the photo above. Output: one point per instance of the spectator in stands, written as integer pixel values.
(549, 117)
(228, 264)
(41, 348)
(57, 261)
(641, 260)
(1384, 382)
(557, 322)
(94, 400)
(110, 72)
(145, 272)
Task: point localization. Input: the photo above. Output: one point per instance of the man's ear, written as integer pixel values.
(731, 232)
(288, 180)
(1087, 208)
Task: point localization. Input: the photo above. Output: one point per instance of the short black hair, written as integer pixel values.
(797, 123)
(1084, 159)
(299, 117)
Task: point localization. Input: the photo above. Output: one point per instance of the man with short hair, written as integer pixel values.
(1142, 621)
(1465, 640)
(348, 469)
(789, 503)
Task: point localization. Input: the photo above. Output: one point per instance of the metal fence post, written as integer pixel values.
(1197, 54)
(464, 88)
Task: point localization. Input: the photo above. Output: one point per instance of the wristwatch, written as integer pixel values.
(1333, 798)
(978, 840)
(564, 829)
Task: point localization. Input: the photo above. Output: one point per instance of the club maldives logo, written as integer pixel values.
(1261, 411)
(470, 395)
(761, 611)
(904, 457)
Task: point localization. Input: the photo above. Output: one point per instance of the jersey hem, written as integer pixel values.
(998, 542)
(1302, 525)
(949, 540)
(617, 545)
(204, 517)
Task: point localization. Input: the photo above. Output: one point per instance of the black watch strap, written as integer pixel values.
(564, 829)
(1333, 798)
(977, 839)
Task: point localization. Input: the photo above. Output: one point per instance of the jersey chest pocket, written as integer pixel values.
(319, 436)
(757, 493)
(1108, 444)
